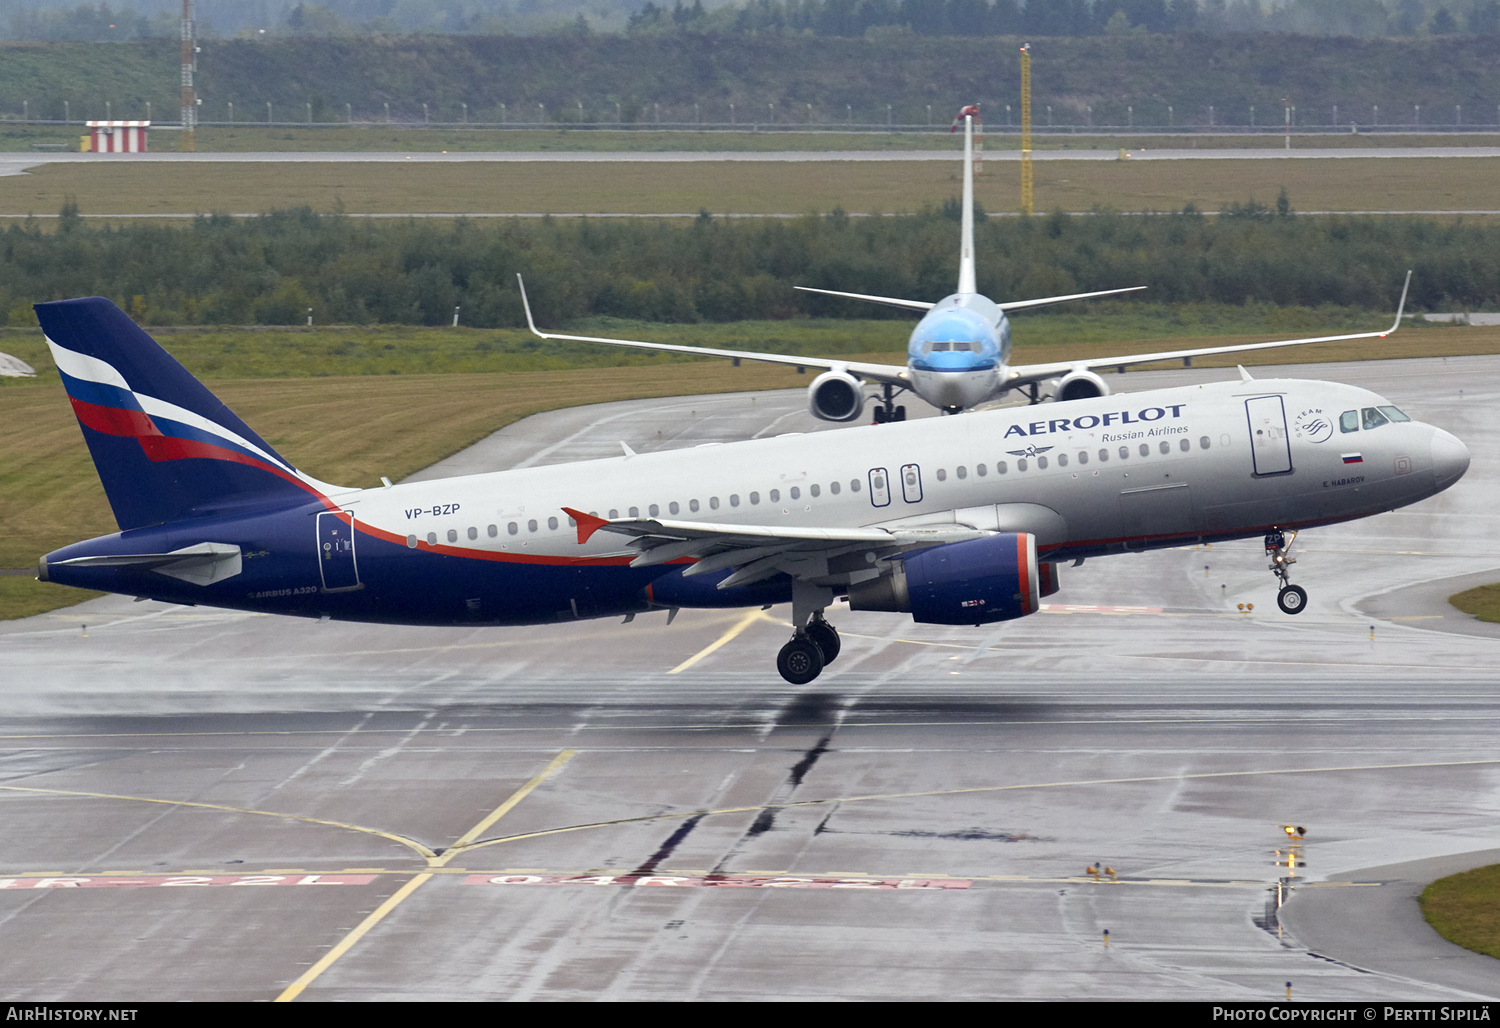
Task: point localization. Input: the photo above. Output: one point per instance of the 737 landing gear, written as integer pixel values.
(888, 411)
(1292, 599)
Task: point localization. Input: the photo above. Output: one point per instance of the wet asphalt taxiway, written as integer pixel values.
(203, 804)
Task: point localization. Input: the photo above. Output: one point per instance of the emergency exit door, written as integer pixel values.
(336, 551)
(1270, 445)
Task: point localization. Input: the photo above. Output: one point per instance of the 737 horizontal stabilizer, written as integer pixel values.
(895, 374)
(1020, 305)
(1025, 374)
(889, 301)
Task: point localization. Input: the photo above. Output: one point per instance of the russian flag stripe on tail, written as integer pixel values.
(165, 447)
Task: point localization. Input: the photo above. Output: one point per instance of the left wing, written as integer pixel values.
(756, 552)
(893, 374)
(1025, 374)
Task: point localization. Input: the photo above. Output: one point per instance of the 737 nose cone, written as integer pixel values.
(1450, 459)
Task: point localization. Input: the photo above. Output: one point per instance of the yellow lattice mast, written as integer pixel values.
(1026, 130)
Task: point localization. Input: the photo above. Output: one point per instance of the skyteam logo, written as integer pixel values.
(1314, 426)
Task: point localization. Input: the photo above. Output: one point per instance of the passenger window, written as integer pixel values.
(1203, 442)
(431, 538)
(1145, 449)
(814, 490)
(1062, 460)
(1124, 452)
(1021, 464)
(1164, 446)
(963, 472)
(411, 542)
(1394, 413)
(755, 497)
(713, 503)
(693, 506)
(1000, 468)
(854, 485)
(635, 512)
(531, 525)
(672, 507)
(1184, 445)
(1083, 457)
(796, 493)
(1373, 418)
(552, 523)
(653, 510)
(473, 533)
(613, 514)
(981, 470)
(775, 495)
(734, 499)
(452, 535)
(833, 487)
(1041, 463)
(1104, 455)
(942, 474)
(512, 528)
(493, 531)
(1349, 421)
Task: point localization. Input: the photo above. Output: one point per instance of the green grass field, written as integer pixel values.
(1483, 602)
(1465, 909)
(1437, 184)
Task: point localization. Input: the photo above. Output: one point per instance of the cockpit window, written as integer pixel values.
(955, 347)
(1349, 421)
(1394, 413)
(1373, 418)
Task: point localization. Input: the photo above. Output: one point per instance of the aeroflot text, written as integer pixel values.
(1477, 1012)
(1088, 421)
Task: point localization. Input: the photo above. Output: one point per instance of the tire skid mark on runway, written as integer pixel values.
(972, 790)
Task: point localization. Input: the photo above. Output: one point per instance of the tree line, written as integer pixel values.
(271, 269)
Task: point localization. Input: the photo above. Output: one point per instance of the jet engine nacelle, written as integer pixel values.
(975, 582)
(1079, 385)
(836, 396)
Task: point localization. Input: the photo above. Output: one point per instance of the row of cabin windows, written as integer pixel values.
(773, 495)
(1002, 467)
(814, 491)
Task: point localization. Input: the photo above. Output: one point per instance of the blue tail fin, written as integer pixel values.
(166, 448)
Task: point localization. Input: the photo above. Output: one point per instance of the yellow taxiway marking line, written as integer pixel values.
(738, 627)
(411, 844)
(435, 862)
(984, 789)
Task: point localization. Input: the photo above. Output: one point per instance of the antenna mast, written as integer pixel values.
(1026, 130)
(189, 59)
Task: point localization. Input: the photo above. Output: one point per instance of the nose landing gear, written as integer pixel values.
(1292, 599)
(888, 411)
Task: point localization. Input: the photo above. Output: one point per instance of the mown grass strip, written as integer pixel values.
(1465, 908)
(1483, 602)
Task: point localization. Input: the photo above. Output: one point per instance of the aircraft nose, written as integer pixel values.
(1450, 458)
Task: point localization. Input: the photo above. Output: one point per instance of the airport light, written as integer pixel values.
(268, 112)
(66, 116)
(231, 112)
(1026, 182)
(189, 62)
(387, 112)
(1416, 115)
(309, 111)
(107, 114)
(425, 119)
(1210, 115)
(463, 105)
(26, 111)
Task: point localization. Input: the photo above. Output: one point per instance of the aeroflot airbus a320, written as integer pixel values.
(958, 356)
(958, 521)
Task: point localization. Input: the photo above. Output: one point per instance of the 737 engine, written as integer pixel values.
(976, 582)
(836, 396)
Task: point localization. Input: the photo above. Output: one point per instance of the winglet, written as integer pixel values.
(588, 524)
(1400, 307)
(526, 305)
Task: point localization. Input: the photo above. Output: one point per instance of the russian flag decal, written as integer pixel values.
(1353, 458)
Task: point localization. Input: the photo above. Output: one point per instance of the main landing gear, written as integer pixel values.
(888, 411)
(1292, 599)
(815, 643)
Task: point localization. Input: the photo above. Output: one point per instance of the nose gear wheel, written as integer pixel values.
(1292, 599)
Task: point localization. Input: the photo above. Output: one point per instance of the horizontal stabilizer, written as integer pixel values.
(202, 564)
(1020, 305)
(889, 301)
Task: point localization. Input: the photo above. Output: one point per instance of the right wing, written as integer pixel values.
(893, 374)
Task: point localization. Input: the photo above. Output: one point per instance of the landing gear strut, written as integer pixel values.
(888, 411)
(1292, 599)
(815, 643)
